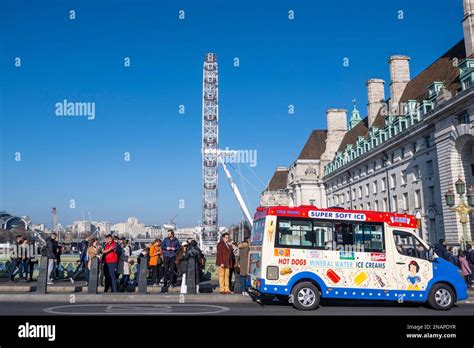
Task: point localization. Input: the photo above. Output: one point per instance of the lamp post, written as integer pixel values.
(463, 208)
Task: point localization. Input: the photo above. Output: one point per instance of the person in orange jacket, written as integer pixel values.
(156, 261)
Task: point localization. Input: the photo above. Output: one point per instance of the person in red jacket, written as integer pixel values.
(111, 264)
(225, 263)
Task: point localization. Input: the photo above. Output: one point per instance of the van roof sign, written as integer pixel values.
(312, 212)
(336, 215)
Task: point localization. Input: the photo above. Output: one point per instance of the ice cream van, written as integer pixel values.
(305, 254)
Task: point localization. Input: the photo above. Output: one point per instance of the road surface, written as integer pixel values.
(276, 309)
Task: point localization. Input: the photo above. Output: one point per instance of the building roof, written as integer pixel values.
(360, 130)
(279, 180)
(315, 145)
(442, 70)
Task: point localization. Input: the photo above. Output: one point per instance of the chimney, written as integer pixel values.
(399, 77)
(468, 26)
(375, 97)
(336, 120)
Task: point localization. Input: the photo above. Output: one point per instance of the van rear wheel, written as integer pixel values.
(441, 297)
(305, 296)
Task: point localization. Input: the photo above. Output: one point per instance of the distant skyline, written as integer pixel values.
(136, 109)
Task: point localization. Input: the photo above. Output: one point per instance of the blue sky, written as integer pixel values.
(282, 62)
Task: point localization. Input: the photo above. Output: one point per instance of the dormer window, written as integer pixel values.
(466, 73)
(434, 89)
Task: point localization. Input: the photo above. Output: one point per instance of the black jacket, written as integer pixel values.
(470, 257)
(48, 249)
(442, 252)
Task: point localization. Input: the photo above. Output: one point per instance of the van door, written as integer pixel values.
(255, 252)
(413, 270)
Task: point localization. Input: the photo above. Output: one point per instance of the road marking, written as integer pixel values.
(137, 309)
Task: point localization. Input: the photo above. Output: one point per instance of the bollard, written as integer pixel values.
(41, 287)
(142, 276)
(191, 275)
(93, 276)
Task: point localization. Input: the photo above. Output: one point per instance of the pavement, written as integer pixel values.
(65, 286)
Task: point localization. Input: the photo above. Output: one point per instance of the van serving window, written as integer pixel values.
(295, 233)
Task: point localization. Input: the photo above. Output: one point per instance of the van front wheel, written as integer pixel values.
(441, 297)
(305, 296)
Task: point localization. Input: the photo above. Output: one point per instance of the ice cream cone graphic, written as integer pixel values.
(270, 230)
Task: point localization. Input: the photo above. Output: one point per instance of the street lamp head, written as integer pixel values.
(470, 197)
(460, 186)
(449, 197)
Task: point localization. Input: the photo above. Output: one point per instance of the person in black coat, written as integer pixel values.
(49, 252)
(441, 250)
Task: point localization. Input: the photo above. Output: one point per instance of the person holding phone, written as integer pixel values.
(170, 247)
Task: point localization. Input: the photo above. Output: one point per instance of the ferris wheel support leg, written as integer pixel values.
(236, 191)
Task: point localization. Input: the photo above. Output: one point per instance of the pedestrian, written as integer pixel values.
(25, 260)
(48, 251)
(191, 276)
(93, 250)
(181, 266)
(83, 260)
(15, 259)
(58, 250)
(111, 264)
(170, 247)
(441, 250)
(451, 257)
(124, 264)
(224, 263)
(466, 270)
(244, 248)
(235, 270)
(470, 257)
(154, 263)
(196, 252)
(33, 260)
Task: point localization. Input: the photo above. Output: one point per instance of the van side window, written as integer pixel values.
(344, 234)
(362, 237)
(407, 244)
(323, 234)
(369, 237)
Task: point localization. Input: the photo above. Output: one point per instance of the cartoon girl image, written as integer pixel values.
(413, 278)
